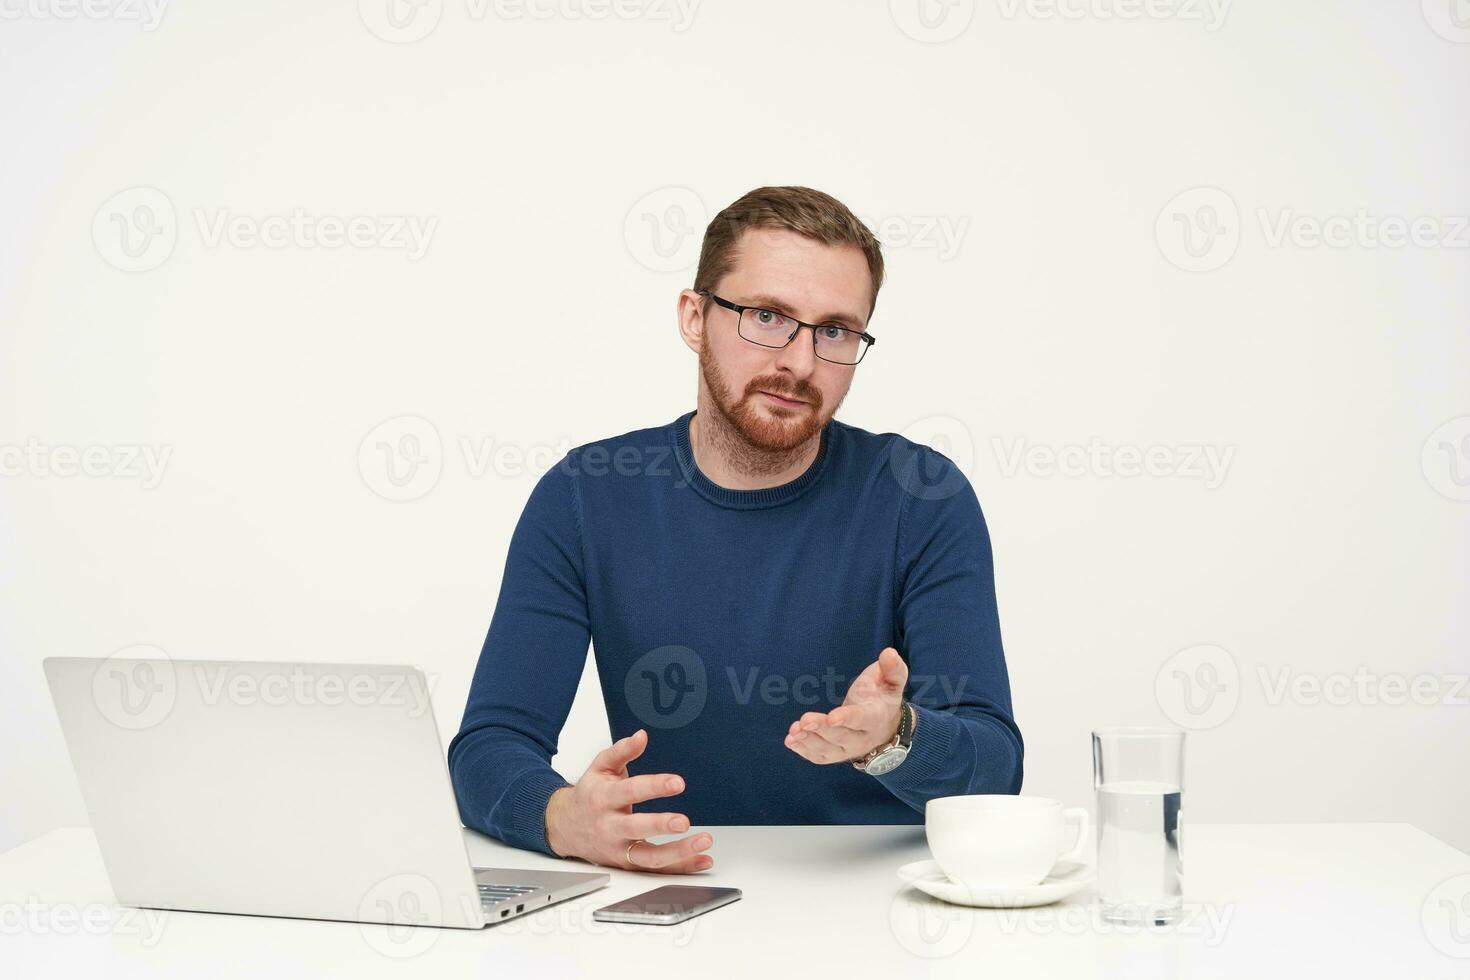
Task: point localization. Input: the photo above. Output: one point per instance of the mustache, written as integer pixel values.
(800, 395)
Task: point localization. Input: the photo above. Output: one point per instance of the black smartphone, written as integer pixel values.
(667, 904)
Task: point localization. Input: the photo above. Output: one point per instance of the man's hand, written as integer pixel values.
(594, 820)
(868, 717)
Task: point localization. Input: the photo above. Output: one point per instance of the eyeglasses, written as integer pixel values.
(769, 328)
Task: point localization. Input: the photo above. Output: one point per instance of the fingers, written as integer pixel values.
(852, 717)
(895, 671)
(820, 751)
(636, 789)
(682, 856)
(882, 679)
(813, 721)
(635, 825)
(824, 746)
(855, 719)
(615, 757)
(848, 718)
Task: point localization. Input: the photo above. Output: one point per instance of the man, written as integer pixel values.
(738, 571)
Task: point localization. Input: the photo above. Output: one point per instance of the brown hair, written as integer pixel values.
(800, 209)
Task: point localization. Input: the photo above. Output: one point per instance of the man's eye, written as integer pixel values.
(834, 333)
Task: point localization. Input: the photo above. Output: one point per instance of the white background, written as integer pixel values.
(565, 165)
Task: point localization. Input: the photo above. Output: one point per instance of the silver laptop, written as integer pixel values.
(314, 791)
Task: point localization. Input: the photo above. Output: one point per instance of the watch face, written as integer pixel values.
(887, 761)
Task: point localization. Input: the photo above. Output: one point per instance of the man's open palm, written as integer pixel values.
(867, 718)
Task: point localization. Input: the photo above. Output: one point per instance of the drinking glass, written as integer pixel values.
(1138, 775)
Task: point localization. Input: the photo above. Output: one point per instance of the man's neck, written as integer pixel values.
(727, 460)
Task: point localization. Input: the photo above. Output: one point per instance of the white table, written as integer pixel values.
(1302, 900)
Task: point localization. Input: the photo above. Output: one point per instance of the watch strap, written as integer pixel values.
(907, 717)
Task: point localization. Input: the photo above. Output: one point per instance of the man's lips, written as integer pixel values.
(783, 399)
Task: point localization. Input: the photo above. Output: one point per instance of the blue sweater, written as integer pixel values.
(718, 617)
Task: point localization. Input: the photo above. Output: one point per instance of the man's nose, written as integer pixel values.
(799, 356)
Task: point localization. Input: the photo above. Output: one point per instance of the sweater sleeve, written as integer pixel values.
(527, 676)
(966, 740)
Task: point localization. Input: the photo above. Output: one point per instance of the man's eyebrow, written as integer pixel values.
(772, 303)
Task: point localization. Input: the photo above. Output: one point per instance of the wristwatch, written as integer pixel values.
(886, 758)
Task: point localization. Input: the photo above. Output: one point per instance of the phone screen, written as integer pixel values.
(674, 900)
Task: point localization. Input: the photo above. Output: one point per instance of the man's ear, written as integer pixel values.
(691, 319)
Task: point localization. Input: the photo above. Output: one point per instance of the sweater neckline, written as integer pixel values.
(745, 499)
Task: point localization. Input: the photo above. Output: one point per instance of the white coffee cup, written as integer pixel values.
(1000, 840)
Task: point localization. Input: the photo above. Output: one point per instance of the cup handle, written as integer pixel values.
(1084, 831)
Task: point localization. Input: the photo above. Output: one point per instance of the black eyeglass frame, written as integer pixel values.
(868, 339)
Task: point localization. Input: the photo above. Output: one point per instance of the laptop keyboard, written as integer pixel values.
(494, 894)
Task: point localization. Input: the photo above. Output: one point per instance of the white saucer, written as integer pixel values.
(1066, 878)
